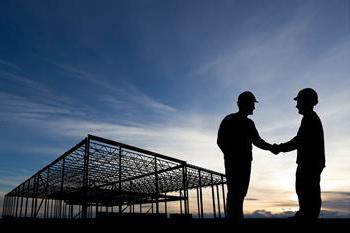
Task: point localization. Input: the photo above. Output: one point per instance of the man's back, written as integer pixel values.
(311, 141)
(235, 137)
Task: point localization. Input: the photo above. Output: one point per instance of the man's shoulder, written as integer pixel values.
(230, 117)
(312, 118)
(250, 122)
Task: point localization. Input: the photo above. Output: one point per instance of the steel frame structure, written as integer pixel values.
(99, 175)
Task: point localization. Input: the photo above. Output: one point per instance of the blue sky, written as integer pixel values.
(162, 74)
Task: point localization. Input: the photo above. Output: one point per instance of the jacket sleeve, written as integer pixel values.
(290, 145)
(258, 141)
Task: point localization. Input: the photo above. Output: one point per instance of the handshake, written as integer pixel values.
(275, 148)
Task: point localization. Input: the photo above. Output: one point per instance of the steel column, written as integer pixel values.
(185, 187)
(120, 175)
(180, 202)
(27, 197)
(218, 197)
(200, 191)
(62, 185)
(156, 184)
(213, 195)
(86, 176)
(17, 200)
(198, 202)
(223, 194)
(22, 194)
(165, 205)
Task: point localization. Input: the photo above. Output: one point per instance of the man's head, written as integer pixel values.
(306, 100)
(246, 103)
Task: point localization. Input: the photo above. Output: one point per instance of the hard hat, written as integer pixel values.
(307, 95)
(246, 96)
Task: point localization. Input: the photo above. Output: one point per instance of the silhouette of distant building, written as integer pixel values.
(104, 178)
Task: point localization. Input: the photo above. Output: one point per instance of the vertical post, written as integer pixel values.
(13, 205)
(166, 205)
(120, 175)
(36, 180)
(17, 200)
(184, 176)
(62, 185)
(96, 210)
(198, 203)
(52, 208)
(85, 177)
(10, 206)
(223, 193)
(65, 211)
(156, 184)
(218, 197)
(180, 202)
(32, 210)
(213, 195)
(200, 192)
(46, 209)
(27, 197)
(22, 194)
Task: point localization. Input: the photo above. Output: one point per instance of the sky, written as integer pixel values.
(161, 75)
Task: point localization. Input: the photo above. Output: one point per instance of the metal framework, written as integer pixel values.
(99, 176)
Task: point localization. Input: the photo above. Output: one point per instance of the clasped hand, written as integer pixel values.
(275, 148)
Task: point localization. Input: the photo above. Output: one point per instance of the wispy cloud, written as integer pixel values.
(9, 182)
(19, 107)
(123, 90)
(10, 65)
(182, 141)
(339, 201)
(286, 214)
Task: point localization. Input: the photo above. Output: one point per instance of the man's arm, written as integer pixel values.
(288, 146)
(258, 141)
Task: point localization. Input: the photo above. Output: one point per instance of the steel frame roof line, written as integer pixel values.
(102, 171)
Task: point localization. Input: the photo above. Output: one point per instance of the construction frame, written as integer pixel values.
(100, 177)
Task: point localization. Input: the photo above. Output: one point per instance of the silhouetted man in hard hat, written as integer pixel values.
(309, 144)
(236, 135)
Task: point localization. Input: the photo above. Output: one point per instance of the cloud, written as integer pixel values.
(10, 65)
(19, 107)
(268, 214)
(126, 92)
(11, 179)
(286, 214)
(19, 83)
(336, 200)
(181, 141)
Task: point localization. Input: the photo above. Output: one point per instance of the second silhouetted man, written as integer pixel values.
(309, 143)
